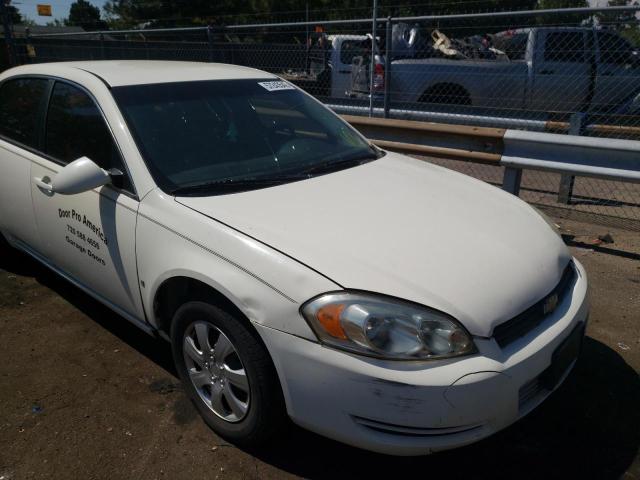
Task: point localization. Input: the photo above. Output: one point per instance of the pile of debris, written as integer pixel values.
(407, 42)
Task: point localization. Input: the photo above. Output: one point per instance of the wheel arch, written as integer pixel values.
(180, 287)
(444, 92)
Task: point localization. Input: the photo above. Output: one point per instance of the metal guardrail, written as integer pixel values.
(514, 149)
(455, 119)
(477, 144)
(592, 157)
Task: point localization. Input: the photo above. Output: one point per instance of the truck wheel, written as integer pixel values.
(446, 94)
(228, 374)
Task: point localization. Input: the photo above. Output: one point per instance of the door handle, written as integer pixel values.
(42, 184)
(547, 72)
(344, 71)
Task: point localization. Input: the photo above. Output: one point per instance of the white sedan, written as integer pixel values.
(297, 270)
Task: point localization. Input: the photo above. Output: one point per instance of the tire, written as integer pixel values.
(5, 248)
(446, 94)
(248, 412)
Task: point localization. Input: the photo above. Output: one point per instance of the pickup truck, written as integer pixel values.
(543, 69)
(329, 70)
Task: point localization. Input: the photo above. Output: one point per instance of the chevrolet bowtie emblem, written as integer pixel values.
(550, 304)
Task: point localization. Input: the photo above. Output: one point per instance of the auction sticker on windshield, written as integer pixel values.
(277, 85)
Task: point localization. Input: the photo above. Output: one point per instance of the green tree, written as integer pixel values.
(14, 14)
(56, 22)
(85, 15)
(564, 19)
(28, 22)
(626, 23)
(546, 4)
(128, 13)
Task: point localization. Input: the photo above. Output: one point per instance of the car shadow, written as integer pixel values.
(154, 348)
(590, 427)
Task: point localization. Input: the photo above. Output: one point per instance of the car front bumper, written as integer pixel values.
(416, 408)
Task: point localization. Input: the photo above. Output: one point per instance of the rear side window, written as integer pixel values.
(614, 49)
(354, 48)
(515, 46)
(20, 102)
(75, 128)
(564, 47)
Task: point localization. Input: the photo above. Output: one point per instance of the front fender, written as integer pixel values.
(266, 285)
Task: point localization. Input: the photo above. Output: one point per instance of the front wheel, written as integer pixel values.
(228, 374)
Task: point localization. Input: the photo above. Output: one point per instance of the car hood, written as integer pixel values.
(409, 229)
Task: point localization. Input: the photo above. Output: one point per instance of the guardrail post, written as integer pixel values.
(565, 190)
(210, 41)
(103, 52)
(387, 67)
(511, 180)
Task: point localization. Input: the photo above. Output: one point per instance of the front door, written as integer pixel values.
(89, 236)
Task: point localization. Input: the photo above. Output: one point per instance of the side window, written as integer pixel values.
(564, 47)
(516, 47)
(614, 49)
(353, 48)
(20, 102)
(75, 128)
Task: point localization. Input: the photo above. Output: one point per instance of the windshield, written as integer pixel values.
(219, 136)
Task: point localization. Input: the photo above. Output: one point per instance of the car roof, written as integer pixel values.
(116, 73)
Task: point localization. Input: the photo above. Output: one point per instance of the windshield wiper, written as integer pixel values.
(227, 186)
(333, 166)
(232, 185)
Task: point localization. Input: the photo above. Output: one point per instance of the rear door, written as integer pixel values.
(22, 103)
(561, 71)
(90, 236)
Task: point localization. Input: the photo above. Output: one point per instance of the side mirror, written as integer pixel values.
(79, 176)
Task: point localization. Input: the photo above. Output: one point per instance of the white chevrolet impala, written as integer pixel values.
(297, 270)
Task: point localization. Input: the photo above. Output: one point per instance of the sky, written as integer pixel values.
(60, 8)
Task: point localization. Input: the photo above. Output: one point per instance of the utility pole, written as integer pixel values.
(8, 36)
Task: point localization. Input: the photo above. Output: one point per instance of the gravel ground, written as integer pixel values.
(83, 394)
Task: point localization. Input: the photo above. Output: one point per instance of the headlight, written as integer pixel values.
(384, 327)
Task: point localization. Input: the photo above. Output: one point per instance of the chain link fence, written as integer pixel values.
(570, 71)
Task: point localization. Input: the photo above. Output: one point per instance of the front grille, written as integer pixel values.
(519, 326)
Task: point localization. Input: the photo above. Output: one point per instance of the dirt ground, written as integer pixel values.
(83, 394)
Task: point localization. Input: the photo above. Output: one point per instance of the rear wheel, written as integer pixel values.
(228, 374)
(446, 94)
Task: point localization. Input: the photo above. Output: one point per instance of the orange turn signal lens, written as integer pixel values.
(329, 317)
